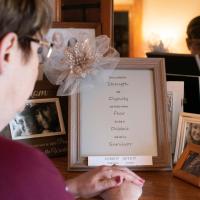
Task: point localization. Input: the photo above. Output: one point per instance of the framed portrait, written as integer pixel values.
(123, 120)
(188, 166)
(40, 118)
(188, 132)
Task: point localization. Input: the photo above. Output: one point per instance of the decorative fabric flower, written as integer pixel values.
(82, 58)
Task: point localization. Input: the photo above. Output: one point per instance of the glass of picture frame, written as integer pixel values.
(122, 121)
(188, 166)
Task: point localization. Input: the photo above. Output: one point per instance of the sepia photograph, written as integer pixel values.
(187, 167)
(192, 164)
(193, 133)
(40, 118)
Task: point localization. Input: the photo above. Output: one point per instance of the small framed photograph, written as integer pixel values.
(188, 132)
(40, 118)
(188, 166)
(65, 34)
(123, 120)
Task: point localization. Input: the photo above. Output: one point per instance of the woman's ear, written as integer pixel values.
(8, 47)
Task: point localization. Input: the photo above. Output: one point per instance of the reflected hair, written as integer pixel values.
(25, 18)
(193, 28)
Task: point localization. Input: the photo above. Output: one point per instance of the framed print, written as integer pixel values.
(175, 90)
(40, 118)
(188, 166)
(123, 120)
(188, 132)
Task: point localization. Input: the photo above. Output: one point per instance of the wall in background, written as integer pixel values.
(124, 1)
(159, 22)
(167, 21)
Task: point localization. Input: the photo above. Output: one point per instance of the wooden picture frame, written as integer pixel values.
(154, 70)
(188, 166)
(186, 132)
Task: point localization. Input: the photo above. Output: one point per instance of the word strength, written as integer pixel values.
(121, 84)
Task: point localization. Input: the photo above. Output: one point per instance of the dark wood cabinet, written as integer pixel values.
(98, 11)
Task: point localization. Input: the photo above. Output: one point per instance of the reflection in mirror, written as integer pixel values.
(121, 33)
(156, 24)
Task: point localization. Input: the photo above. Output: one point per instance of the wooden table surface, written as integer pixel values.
(158, 185)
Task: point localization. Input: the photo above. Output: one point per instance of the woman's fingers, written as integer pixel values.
(113, 172)
(110, 183)
(128, 171)
(100, 179)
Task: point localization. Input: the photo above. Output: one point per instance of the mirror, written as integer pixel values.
(153, 24)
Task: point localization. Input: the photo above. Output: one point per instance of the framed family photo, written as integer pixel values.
(40, 118)
(188, 132)
(188, 166)
(123, 120)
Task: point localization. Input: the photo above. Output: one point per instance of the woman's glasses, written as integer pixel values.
(45, 49)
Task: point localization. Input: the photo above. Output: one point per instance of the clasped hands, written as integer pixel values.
(110, 182)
